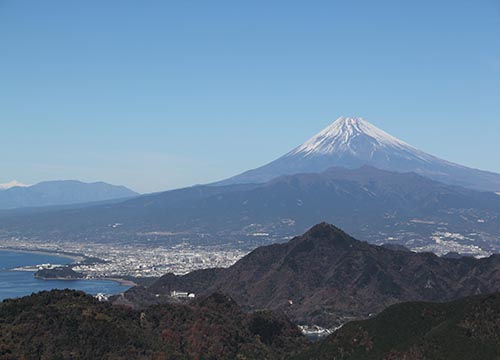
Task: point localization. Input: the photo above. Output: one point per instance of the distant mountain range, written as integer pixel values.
(326, 277)
(374, 205)
(354, 142)
(63, 192)
(403, 204)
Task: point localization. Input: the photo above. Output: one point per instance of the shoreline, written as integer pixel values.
(120, 281)
(73, 257)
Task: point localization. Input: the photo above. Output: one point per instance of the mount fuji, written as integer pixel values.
(354, 142)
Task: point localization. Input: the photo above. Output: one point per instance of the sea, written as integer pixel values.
(15, 284)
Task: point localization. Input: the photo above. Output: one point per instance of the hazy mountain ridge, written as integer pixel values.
(375, 205)
(61, 192)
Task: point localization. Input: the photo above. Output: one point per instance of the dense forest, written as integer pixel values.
(66, 324)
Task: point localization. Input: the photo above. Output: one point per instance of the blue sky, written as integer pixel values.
(162, 94)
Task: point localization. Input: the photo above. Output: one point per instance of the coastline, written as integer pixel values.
(73, 257)
(17, 284)
(120, 281)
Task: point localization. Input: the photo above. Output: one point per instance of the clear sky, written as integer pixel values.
(161, 94)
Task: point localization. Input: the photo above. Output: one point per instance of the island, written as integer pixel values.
(58, 273)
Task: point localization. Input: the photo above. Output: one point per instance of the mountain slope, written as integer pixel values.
(353, 142)
(61, 192)
(466, 329)
(331, 277)
(65, 324)
(372, 204)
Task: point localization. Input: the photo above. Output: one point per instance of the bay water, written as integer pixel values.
(21, 283)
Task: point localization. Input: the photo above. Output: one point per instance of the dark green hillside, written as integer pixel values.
(71, 325)
(465, 329)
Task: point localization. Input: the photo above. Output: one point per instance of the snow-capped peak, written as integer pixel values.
(354, 142)
(348, 134)
(13, 183)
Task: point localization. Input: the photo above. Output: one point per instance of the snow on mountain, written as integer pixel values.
(354, 142)
(340, 136)
(13, 183)
(355, 136)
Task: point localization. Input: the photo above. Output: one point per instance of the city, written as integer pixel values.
(108, 261)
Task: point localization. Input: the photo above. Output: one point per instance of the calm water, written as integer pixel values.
(21, 283)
